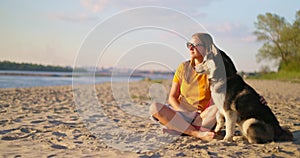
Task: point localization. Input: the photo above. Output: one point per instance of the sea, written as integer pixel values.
(21, 79)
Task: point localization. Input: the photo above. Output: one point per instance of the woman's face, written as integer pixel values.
(196, 48)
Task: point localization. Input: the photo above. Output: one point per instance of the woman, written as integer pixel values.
(190, 112)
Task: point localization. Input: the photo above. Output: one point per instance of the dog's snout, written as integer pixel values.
(199, 68)
(200, 72)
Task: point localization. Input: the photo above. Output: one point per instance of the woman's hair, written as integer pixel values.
(206, 39)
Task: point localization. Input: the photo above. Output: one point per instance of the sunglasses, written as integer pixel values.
(190, 45)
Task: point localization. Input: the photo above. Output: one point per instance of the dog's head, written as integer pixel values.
(208, 66)
(216, 64)
(205, 66)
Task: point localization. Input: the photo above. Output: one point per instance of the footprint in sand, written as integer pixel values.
(37, 121)
(59, 134)
(56, 146)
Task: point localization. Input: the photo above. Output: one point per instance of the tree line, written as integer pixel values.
(7, 65)
(281, 41)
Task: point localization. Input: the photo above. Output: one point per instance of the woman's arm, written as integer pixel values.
(174, 95)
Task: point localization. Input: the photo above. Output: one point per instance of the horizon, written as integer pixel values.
(99, 69)
(54, 32)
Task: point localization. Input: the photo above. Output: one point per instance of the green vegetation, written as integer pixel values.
(281, 75)
(281, 44)
(7, 65)
(153, 81)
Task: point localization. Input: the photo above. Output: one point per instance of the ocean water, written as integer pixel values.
(59, 79)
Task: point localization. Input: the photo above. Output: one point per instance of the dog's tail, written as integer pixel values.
(257, 132)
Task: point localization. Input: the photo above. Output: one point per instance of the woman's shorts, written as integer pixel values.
(187, 116)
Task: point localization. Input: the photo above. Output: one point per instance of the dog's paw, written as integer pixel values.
(238, 138)
(218, 129)
(228, 138)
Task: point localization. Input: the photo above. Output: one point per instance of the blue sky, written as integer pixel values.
(54, 31)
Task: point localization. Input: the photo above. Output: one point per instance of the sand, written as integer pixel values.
(111, 120)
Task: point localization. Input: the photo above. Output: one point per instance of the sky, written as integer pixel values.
(138, 34)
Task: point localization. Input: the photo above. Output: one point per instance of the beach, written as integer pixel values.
(112, 120)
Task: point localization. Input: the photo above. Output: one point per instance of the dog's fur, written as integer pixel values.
(238, 102)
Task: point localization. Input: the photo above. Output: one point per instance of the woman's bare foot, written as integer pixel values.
(205, 135)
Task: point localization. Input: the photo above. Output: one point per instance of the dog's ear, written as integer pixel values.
(214, 49)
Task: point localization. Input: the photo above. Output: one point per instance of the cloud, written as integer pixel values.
(232, 30)
(73, 18)
(227, 27)
(249, 39)
(94, 5)
(190, 6)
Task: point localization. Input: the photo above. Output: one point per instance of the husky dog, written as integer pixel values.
(238, 102)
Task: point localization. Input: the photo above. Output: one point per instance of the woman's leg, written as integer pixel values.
(173, 120)
(208, 117)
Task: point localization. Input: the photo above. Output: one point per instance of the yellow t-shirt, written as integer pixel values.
(194, 89)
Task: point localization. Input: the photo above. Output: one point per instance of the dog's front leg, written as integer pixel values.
(220, 121)
(230, 121)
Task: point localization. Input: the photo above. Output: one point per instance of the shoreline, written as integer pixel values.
(53, 80)
(47, 121)
(66, 75)
(82, 73)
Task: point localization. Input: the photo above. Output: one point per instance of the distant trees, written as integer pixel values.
(281, 41)
(7, 65)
